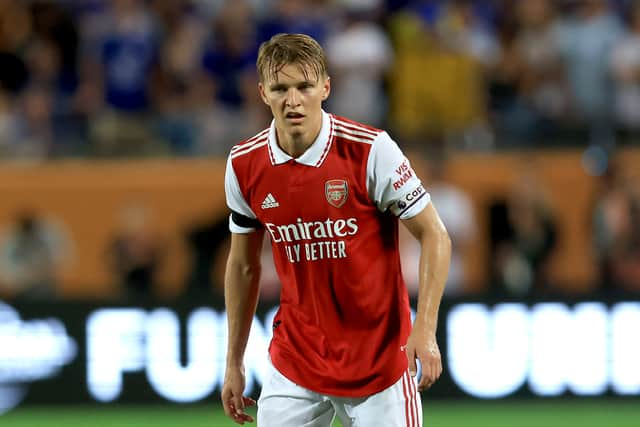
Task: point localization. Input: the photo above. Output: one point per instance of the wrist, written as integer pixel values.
(235, 363)
(424, 327)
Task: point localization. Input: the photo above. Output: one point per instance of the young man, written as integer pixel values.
(329, 192)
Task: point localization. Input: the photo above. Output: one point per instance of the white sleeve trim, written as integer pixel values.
(235, 228)
(391, 181)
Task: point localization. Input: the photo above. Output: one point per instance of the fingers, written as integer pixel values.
(226, 402)
(238, 415)
(234, 407)
(431, 371)
(233, 401)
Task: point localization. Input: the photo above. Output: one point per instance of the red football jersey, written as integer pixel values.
(332, 216)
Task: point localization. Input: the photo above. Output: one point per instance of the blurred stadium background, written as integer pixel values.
(522, 117)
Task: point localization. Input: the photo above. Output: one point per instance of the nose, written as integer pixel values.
(293, 97)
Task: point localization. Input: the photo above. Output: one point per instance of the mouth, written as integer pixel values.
(295, 117)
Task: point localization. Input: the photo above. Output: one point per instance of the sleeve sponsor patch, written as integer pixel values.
(408, 200)
(404, 174)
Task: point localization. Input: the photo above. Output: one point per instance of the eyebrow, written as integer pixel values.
(276, 86)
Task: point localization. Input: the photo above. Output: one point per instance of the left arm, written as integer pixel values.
(435, 253)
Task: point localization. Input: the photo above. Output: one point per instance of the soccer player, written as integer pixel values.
(329, 192)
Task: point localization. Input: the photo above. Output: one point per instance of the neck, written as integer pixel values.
(294, 146)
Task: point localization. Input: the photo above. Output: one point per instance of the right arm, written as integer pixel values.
(241, 286)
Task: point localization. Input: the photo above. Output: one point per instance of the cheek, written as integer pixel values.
(277, 105)
(273, 102)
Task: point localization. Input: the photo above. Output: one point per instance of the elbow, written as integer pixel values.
(441, 236)
(248, 271)
(245, 271)
(446, 241)
(437, 240)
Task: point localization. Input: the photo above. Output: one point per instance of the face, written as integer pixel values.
(296, 101)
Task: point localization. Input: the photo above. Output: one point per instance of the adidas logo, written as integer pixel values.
(269, 202)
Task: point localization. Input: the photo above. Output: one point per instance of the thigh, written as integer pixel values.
(397, 406)
(283, 403)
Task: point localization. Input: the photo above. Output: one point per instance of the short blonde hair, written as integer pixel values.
(286, 49)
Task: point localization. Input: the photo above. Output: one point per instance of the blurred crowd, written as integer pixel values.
(128, 78)
(176, 77)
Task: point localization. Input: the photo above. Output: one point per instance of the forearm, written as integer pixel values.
(433, 270)
(241, 296)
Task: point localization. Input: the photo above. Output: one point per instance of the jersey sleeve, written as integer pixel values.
(391, 182)
(242, 219)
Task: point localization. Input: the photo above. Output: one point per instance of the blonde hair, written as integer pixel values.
(286, 49)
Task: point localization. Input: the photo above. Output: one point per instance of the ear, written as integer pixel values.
(263, 96)
(326, 88)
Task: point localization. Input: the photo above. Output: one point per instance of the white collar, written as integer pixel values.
(314, 155)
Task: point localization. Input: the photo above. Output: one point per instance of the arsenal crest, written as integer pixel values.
(336, 191)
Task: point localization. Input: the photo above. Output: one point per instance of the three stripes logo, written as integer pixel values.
(269, 202)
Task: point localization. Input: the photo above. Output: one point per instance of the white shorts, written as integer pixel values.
(283, 403)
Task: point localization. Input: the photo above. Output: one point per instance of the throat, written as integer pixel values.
(295, 145)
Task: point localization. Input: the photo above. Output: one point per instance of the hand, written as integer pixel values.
(424, 347)
(233, 401)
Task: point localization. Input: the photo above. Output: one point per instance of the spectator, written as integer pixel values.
(9, 125)
(309, 17)
(359, 54)
(47, 104)
(231, 54)
(35, 124)
(206, 240)
(135, 253)
(228, 103)
(625, 62)
(52, 57)
(458, 215)
(616, 233)
(458, 49)
(533, 61)
(586, 42)
(16, 26)
(33, 254)
(120, 74)
(182, 42)
(523, 235)
(460, 29)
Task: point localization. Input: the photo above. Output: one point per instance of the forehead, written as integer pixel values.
(293, 73)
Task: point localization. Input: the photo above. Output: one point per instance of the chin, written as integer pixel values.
(294, 126)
